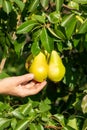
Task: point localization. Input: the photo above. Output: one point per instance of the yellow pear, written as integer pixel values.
(56, 69)
(39, 67)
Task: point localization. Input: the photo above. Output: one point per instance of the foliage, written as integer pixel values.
(28, 26)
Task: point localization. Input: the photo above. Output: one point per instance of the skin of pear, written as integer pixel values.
(39, 67)
(56, 69)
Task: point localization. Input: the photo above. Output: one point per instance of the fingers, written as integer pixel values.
(31, 88)
(24, 78)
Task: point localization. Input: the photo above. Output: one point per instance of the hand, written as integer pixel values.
(21, 85)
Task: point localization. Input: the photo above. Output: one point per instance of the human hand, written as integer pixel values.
(21, 85)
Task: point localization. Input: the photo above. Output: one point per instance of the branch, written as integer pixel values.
(2, 64)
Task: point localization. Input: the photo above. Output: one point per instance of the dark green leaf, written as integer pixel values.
(46, 41)
(26, 26)
(33, 5)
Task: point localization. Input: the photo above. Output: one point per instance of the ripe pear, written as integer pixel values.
(56, 69)
(39, 67)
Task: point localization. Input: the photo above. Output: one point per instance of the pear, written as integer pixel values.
(39, 67)
(56, 69)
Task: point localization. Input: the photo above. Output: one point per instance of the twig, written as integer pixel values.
(54, 127)
(2, 64)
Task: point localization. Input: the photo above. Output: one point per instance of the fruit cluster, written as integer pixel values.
(43, 68)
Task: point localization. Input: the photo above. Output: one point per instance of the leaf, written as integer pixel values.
(27, 26)
(19, 45)
(54, 17)
(81, 1)
(22, 124)
(60, 31)
(7, 7)
(69, 23)
(44, 106)
(4, 123)
(72, 122)
(20, 4)
(13, 123)
(85, 125)
(3, 75)
(40, 127)
(32, 126)
(83, 28)
(45, 4)
(84, 104)
(16, 113)
(39, 18)
(33, 5)
(59, 4)
(60, 119)
(46, 40)
(35, 49)
(25, 109)
(1, 3)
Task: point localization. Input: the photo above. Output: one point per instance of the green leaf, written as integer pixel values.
(40, 127)
(3, 75)
(7, 7)
(33, 5)
(83, 28)
(81, 1)
(26, 26)
(20, 4)
(35, 49)
(36, 34)
(13, 123)
(44, 106)
(60, 119)
(1, 3)
(72, 122)
(22, 124)
(69, 23)
(39, 18)
(4, 123)
(32, 126)
(45, 4)
(19, 45)
(85, 125)
(46, 40)
(60, 32)
(54, 17)
(84, 104)
(16, 113)
(59, 4)
(25, 109)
